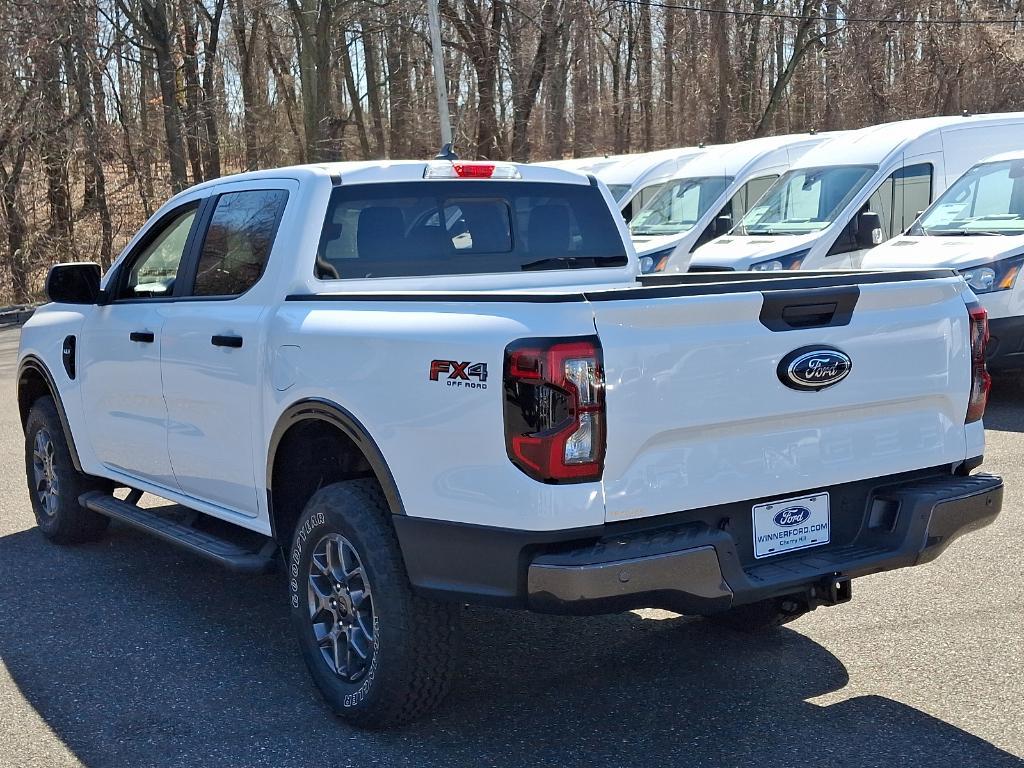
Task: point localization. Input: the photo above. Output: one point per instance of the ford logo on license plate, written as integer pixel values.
(810, 369)
(792, 516)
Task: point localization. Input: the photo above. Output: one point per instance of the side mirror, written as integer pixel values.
(723, 225)
(869, 230)
(76, 283)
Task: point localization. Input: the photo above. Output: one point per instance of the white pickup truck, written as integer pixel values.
(422, 384)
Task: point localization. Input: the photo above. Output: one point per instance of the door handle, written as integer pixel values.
(234, 342)
(146, 337)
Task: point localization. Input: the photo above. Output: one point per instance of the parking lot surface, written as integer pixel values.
(128, 652)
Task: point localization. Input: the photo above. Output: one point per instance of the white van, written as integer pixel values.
(632, 179)
(845, 197)
(976, 227)
(709, 194)
(635, 179)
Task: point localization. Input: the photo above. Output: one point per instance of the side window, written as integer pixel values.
(238, 241)
(648, 193)
(154, 269)
(900, 197)
(734, 210)
(749, 194)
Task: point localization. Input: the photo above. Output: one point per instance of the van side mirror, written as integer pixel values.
(75, 283)
(869, 230)
(723, 224)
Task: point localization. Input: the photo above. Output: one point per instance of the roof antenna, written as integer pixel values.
(814, 131)
(700, 145)
(446, 153)
(965, 113)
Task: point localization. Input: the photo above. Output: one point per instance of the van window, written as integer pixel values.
(901, 197)
(459, 227)
(989, 198)
(734, 210)
(749, 194)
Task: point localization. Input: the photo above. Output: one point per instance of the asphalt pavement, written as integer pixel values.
(128, 652)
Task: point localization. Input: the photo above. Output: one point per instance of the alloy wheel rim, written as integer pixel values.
(45, 473)
(341, 607)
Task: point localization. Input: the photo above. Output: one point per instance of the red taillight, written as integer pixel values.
(981, 382)
(554, 409)
(474, 170)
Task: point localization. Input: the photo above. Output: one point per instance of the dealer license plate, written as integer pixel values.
(791, 524)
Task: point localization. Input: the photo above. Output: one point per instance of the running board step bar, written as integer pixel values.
(227, 553)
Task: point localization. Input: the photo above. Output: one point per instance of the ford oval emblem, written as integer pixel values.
(792, 516)
(810, 369)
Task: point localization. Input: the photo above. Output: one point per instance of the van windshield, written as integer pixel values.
(805, 200)
(679, 205)
(987, 200)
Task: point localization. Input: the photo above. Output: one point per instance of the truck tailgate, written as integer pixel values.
(698, 413)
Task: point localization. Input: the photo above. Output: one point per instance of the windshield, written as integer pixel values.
(805, 200)
(987, 200)
(679, 205)
(618, 190)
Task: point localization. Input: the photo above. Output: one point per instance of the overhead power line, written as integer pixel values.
(836, 19)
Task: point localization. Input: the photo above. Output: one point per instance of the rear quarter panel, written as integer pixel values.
(443, 443)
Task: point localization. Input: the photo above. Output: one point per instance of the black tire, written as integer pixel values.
(413, 648)
(55, 494)
(761, 616)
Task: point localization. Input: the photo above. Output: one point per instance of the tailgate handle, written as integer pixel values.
(808, 315)
(792, 310)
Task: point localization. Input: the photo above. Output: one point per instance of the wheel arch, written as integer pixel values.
(360, 456)
(35, 381)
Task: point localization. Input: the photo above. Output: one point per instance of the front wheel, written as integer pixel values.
(380, 654)
(54, 484)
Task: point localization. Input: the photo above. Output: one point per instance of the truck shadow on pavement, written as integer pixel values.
(136, 655)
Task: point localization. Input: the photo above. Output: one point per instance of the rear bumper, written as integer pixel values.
(1005, 350)
(690, 566)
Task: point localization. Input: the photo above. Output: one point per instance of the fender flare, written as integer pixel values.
(320, 409)
(31, 362)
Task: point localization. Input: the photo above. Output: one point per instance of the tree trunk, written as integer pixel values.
(211, 97)
(371, 61)
(94, 158)
(525, 97)
(190, 74)
(244, 31)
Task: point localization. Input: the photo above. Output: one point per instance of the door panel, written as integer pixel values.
(210, 391)
(121, 391)
(212, 356)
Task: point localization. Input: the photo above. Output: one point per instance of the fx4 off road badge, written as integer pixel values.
(458, 374)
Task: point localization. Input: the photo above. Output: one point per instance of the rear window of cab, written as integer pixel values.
(461, 227)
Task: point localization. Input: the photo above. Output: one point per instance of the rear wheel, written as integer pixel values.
(380, 654)
(54, 484)
(761, 616)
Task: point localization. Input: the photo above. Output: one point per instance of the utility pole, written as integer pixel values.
(439, 79)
